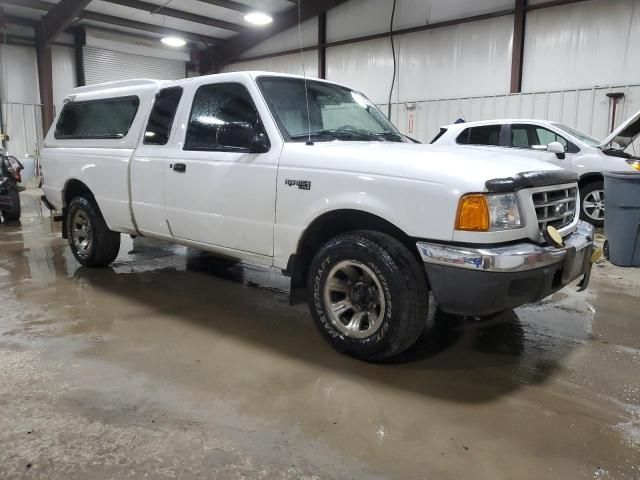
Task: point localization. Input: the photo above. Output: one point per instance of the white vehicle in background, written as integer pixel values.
(310, 177)
(559, 144)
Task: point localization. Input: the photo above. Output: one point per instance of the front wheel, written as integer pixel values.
(592, 203)
(13, 212)
(91, 241)
(368, 295)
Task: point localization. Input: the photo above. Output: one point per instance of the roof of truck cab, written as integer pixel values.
(254, 74)
(126, 87)
(143, 82)
(120, 84)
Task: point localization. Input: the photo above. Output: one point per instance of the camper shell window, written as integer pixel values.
(104, 118)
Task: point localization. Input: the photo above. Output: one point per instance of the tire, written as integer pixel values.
(12, 214)
(91, 241)
(592, 193)
(368, 268)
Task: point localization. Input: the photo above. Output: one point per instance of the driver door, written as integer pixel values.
(217, 195)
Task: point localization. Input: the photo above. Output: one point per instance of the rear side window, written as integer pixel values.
(483, 135)
(108, 118)
(162, 115)
(440, 133)
(215, 105)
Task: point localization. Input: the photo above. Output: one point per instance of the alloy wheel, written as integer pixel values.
(354, 299)
(593, 204)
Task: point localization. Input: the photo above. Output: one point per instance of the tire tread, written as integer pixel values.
(412, 281)
(106, 243)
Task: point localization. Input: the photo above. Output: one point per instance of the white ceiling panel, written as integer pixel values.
(271, 6)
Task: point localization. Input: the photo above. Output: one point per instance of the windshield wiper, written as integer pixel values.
(343, 134)
(389, 136)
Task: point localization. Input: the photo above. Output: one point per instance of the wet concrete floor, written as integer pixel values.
(173, 364)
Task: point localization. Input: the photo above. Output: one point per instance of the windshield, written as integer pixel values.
(335, 112)
(583, 137)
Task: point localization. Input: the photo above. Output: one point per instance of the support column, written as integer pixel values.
(80, 40)
(517, 53)
(45, 79)
(322, 40)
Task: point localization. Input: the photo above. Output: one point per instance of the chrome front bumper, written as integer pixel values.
(484, 280)
(517, 257)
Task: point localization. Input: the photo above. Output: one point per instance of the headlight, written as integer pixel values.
(634, 163)
(488, 212)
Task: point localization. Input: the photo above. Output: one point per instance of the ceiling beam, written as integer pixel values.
(182, 15)
(13, 20)
(147, 27)
(59, 17)
(230, 5)
(113, 20)
(33, 4)
(233, 47)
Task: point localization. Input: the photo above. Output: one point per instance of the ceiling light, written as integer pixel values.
(173, 41)
(258, 18)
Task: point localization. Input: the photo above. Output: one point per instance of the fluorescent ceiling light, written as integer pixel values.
(258, 18)
(173, 41)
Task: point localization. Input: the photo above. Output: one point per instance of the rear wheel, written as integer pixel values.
(592, 203)
(13, 212)
(91, 241)
(368, 295)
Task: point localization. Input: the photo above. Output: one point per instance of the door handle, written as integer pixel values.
(179, 167)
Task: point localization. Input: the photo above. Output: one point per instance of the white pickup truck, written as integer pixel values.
(310, 177)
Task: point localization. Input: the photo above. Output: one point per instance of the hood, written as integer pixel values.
(625, 134)
(457, 167)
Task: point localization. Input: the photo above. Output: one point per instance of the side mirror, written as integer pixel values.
(241, 135)
(557, 148)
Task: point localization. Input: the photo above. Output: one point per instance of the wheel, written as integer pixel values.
(592, 199)
(368, 295)
(13, 213)
(91, 241)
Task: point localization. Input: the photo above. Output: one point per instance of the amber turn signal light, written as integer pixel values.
(473, 213)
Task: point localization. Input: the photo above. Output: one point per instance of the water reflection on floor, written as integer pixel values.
(176, 363)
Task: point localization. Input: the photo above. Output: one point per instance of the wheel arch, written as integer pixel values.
(590, 177)
(328, 225)
(75, 188)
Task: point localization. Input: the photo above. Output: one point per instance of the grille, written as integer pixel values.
(555, 207)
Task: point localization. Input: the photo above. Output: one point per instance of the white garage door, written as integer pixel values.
(101, 65)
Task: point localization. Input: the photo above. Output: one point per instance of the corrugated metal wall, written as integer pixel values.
(586, 46)
(64, 73)
(20, 95)
(101, 65)
(588, 110)
(284, 64)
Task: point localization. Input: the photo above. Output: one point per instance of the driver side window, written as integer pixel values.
(216, 105)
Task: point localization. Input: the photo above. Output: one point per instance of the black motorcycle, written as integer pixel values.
(10, 168)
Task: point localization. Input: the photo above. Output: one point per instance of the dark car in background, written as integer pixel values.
(10, 168)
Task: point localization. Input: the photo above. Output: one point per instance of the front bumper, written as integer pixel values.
(486, 280)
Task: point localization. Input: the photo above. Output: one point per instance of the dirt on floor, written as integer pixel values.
(175, 364)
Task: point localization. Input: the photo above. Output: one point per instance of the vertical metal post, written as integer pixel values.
(322, 51)
(517, 52)
(80, 40)
(45, 79)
